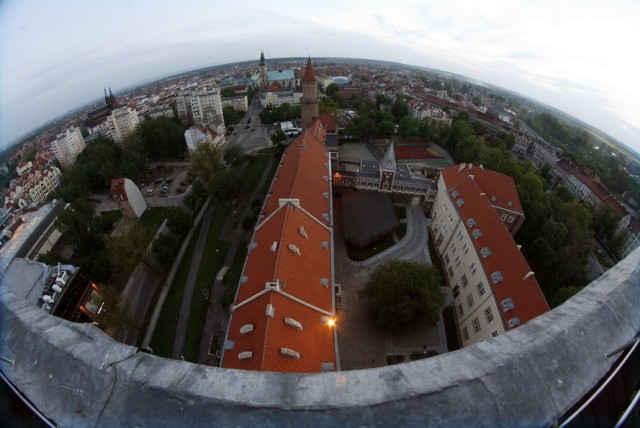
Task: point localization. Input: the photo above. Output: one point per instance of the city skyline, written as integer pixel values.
(574, 56)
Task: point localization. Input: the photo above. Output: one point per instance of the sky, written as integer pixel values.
(580, 56)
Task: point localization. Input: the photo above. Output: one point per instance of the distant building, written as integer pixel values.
(199, 107)
(128, 198)
(282, 317)
(122, 122)
(276, 99)
(68, 146)
(99, 114)
(239, 102)
(474, 216)
(201, 134)
(23, 166)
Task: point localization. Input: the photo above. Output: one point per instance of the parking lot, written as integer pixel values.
(165, 182)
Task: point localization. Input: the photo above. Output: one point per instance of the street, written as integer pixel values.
(250, 134)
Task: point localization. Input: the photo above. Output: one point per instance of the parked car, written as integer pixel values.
(150, 190)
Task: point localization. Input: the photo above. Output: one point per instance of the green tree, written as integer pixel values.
(399, 109)
(279, 137)
(50, 258)
(233, 155)
(205, 161)
(164, 249)
(126, 251)
(78, 225)
(178, 221)
(225, 185)
(331, 90)
(404, 295)
(227, 92)
(605, 221)
(230, 115)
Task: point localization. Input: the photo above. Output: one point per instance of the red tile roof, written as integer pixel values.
(506, 258)
(289, 267)
(491, 183)
(329, 122)
(309, 75)
(117, 188)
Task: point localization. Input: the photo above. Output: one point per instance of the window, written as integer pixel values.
(457, 260)
(511, 218)
(460, 310)
(460, 202)
(494, 333)
(481, 290)
(473, 268)
(465, 333)
(477, 233)
(476, 325)
(471, 222)
(450, 218)
(450, 272)
(470, 301)
(456, 291)
(465, 248)
(460, 235)
(293, 323)
(464, 280)
(503, 217)
(488, 315)
(453, 247)
(446, 258)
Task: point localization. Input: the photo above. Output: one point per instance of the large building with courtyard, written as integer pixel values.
(474, 217)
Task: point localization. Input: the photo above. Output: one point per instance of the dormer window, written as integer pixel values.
(244, 355)
(293, 323)
(290, 352)
(477, 233)
(486, 252)
(460, 202)
(471, 222)
(507, 304)
(294, 249)
(247, 328)
(497, 277)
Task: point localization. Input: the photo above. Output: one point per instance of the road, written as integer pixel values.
(250, 134)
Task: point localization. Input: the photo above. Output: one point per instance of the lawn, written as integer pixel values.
(164, 335)
(365, 253)
(272, 172)
(213, 257)
(152, 218)
(251, 173)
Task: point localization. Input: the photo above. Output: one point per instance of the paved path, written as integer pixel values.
(217, 314)
(194, 268)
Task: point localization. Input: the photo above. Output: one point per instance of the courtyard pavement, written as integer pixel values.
(361, 344)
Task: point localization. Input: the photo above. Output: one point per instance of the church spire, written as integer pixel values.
(261, 57)
(309, 75)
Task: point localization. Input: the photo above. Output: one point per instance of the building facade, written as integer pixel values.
(493, 287)
(199, 107)
(122, 122)
(199, 134)
(128, 198)
(240, 102)
(68, 146)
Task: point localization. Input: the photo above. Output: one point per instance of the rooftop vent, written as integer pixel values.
(244, 355)
(270, 310)
(455, 194)
(324, 282)
(244, 279)
(486, 252)
(528, 275)
(294, 249)
(507, 304)
(247, 328)
(460, 202)
(273, 285)
(303, 232)
(514, 322)
(497, 277)
(509, 203)
(476, 233)
(274, 246)
(471, 222)
(293, 323)
(289, 352)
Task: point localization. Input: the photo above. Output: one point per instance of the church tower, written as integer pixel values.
(309, 101)
(263, 72)
(388, 169)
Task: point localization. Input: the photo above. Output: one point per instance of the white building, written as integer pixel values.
(199, 106)
(493, 287)
(122, 122)
(128, 198)
(67, 146)
(276, 99)
(240, 103)
(201, 134)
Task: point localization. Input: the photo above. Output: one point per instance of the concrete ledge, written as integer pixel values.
(76, 375)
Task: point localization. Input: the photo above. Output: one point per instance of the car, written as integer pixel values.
(150, 190)
(159, 180)
(141, 185)
(164, 190)
(180, 190)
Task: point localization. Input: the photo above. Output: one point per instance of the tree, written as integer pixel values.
(399, 109)
(233, 155)
(227, 92)
(50, 258)
(205, 161)
(331, 90)
(230, 115)
(225, 185)
(164, 248)
(126, 251)
(78, 225)
(178, 221)
(404, 295)
(279, 137)
(605, 221)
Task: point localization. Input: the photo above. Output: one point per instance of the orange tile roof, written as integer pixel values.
(490, 182)
(329, 122)
(289, 267)
(506, 258)
(117, 188)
